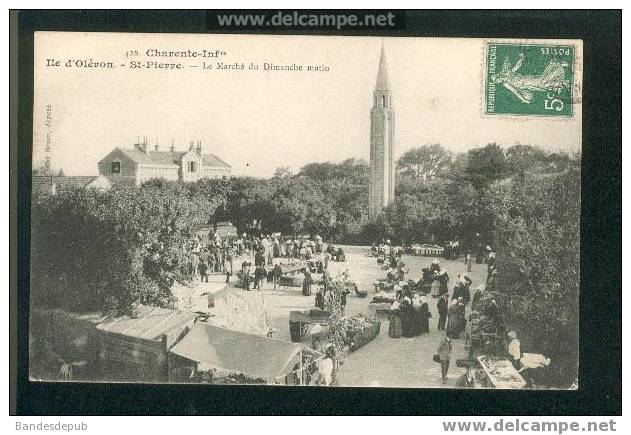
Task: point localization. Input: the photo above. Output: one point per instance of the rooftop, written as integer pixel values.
(169, 158)
(41, 185)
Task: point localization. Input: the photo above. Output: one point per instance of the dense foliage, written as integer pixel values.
(105, 250)
(537, 236)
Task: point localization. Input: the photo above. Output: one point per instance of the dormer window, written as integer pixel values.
(192, 166)
(116, 167)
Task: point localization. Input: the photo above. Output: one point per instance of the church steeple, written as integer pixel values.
(381, 189)
(382, 95)
(382, 74)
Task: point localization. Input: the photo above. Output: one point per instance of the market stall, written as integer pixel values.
(381, 302)
(299, 322)
(291, 275)
(360, 330)
(212, 354)
(500, 373)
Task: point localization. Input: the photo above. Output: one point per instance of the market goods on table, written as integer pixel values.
(360, 330)
(501, 372)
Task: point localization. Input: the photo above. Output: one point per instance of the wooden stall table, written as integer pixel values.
(299, 322)
(501, 373)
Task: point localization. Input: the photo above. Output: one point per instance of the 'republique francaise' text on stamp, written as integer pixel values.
(529, 79)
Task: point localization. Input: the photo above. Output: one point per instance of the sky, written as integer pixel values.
(259, 120)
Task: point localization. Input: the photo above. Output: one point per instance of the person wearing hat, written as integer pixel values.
(442, 306)
(514, 348)
(466, 293)
(245, 275)
(276, 273)
(462, 320)
(259, 276)
(306, 282)
(416, 316)
(435, 287)
(435, 266)
(444, 356)
(444, 282)
(203, 271)
(424, 315)
(325, 367)
(395, 328)
(453, 320)
(458, 288)
(407, 317)
(387, 248)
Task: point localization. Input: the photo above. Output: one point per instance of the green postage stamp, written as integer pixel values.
(529, 79)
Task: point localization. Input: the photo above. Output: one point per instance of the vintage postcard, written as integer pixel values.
(306, 210)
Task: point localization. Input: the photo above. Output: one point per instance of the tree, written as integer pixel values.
(344, 189)
(41, 169)
(537, 224)
(282, 172)
(424, 163)
(107, 250)
(486, 165)
(525, 158)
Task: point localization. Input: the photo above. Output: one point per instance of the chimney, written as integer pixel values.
(156, 146)
(172, 149)
(190, 146)
(199, 147)
(143, 145)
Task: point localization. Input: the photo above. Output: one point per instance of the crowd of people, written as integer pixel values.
(218, 255)
(409, 314)
(411, 308)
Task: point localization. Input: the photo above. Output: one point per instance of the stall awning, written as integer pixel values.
(148, 323)
(237, 352)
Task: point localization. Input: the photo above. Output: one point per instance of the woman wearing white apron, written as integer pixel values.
(435, 291)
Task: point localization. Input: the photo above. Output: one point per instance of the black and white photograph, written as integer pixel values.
(294, 210)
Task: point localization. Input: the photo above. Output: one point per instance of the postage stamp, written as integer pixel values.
(529, 79)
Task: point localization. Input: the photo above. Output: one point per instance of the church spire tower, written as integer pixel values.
(381, 190)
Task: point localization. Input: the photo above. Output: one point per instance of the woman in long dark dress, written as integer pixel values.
(407, 318)
(416, 316)
(453, 320)
(444, 282)
(395, 329)
(435, 287)
(461, 315)
(424, 315)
